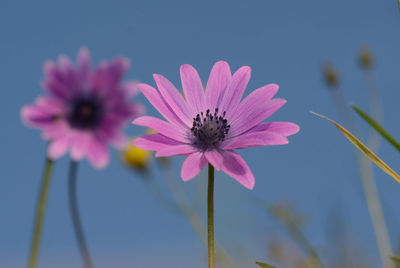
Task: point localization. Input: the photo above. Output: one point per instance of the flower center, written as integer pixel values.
(85, 114)
(209, 129)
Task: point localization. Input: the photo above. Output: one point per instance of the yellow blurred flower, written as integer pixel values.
(136, 158)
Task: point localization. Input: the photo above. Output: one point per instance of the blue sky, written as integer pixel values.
(284, 42)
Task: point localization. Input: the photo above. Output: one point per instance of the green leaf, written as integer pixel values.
(364, 149)
(396, 259)
(264, 265)
(377, 127)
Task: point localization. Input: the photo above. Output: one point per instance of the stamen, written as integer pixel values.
(85, 114)
(210, 129)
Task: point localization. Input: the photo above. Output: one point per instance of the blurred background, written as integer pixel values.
(315, 178)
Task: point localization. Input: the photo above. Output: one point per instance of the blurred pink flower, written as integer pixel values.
(84, 109)
(208, 125)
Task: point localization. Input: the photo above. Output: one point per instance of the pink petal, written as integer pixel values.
(58, 147)
(154, 142)
(253, 139)
(235, 90)
(108, 75)
(254, 116)
(51, 105)
(65, 64)
(193, 89)
(118, 140)
(173, 98)
(130, 89)
(154, 97)
(117, 69)
(163, 127)
(192, 166)
(181, 149)
(80, 144)
(67, 74)
(282, 128)
(215, 158)
(36, 116)
(236, 167)
(258, 97)
(219, 79)
(57, 89)
(55, 130)
(98, 154)
(55, 81)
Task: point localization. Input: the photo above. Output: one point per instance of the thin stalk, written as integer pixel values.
(40, 213)
(370, 189)
(181, 199)
(367, 177)
(210, 217)
(73, 204)
(155, 190)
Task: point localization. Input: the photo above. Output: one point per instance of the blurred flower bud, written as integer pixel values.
(331, 76)
(136, 158)
(366, 58)
(276, 250)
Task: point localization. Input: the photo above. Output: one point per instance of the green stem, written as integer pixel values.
(40, 212)
(210, 217)
(73, 204)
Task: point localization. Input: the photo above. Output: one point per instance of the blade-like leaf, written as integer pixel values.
(364, 149)
(396, 259)
(377, 127)
(264, 265)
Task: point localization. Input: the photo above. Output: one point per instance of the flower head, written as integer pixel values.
(330, 75)
(207, 125)
(84, 109)
(136, 157)
(366, 58)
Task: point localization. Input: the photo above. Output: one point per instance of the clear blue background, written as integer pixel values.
(283, 41)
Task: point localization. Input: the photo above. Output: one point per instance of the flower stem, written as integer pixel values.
(210, 217)
(73, 203)
(40, 212)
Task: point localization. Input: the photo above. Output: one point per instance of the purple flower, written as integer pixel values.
(208, 125)
(84, 109)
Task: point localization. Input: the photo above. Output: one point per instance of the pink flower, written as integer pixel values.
(84, 109)
(208, 125)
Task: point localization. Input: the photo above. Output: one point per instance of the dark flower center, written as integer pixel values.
(85, 114)
(209, 129)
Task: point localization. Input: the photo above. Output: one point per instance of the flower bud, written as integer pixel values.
(331, 76)
(136, 158)
(366, 58)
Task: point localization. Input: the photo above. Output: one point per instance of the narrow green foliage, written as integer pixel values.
(264, 265)
(375, 125)
(364, 149)
(40, 213)
(396, 259)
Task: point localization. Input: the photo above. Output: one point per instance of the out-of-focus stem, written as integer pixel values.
(40, 213)
(366, 171)
(371, 193)
(73, 203)
(154, 189)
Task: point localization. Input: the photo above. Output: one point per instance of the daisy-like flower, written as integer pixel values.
(84, 109)
(207, 126)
